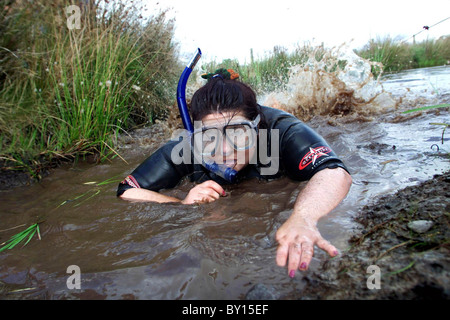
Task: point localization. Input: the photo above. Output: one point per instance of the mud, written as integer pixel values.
(412, 265)
(13, 178)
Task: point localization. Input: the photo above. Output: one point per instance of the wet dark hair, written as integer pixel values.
(221, 95)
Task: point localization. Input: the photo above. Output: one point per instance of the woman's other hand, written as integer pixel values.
(205, 192)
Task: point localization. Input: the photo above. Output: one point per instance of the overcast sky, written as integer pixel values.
(230, 28)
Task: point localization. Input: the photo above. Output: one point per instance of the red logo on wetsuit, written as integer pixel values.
(131, 181)
(313, 155)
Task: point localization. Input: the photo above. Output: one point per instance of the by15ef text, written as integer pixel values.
(230, 309)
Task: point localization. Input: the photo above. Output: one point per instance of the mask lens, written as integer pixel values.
(240, 136)
(205, 142)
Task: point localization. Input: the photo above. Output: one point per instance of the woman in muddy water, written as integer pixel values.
(231, 129)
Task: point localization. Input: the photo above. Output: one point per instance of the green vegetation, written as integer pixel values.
(272, 72)
(397, 55)
(26, 234)
(92, 192)
(67, 92)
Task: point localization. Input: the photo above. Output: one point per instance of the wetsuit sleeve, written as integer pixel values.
(304, 152)
(156, 172)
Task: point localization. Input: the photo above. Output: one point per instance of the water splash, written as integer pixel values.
(339, 83)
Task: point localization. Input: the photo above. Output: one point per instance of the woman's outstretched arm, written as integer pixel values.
(298, 235)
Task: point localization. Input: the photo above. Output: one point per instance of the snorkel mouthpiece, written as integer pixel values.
(219, 169)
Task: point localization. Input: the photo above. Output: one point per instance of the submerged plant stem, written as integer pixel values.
(402, 269)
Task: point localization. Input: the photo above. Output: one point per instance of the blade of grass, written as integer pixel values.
(29, 238)
(21, 290)
(23, 232)
(96, 193)
(402, 269)
(115, 152)
(109, 180)
(19, 240)
(38, 232)
(440, 124)
(13, 228)
(445, 105)
(19, 237)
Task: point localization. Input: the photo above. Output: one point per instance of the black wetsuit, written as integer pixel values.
(302, 153)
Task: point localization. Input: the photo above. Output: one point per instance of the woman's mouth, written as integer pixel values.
(230, 163)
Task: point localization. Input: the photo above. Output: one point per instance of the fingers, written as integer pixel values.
(299, 254)
(307, 254)
(294, 258)
(328, 247)
(205, 192)
(210, 191)
(214, 186)
(208, 195)
(282, 254)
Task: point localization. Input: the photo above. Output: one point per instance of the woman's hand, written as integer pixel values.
(205, 192)
(298, 235)
(296, 240)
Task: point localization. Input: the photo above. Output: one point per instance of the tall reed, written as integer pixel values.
(66, 92)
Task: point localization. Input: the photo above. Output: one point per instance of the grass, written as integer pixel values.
(67, 93)
(272, 72)
(397, 55)
(444, 105)
(25, 235)
(92, 192)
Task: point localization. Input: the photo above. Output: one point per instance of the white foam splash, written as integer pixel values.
(340, 83)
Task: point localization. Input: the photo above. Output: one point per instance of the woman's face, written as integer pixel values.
(235, 145)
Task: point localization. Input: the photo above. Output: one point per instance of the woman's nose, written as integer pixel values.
(227, 149)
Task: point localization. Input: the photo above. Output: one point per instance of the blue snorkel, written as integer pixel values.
(219, 169)
(181, 92)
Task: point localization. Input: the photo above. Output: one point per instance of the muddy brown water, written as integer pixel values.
(138, 250)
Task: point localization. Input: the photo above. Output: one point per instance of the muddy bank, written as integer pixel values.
(414, 263)
(11, 178)
(136, 141)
